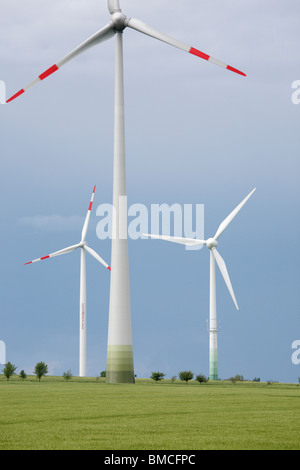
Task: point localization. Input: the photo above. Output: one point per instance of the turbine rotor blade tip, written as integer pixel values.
(232, 69)
(15, 96)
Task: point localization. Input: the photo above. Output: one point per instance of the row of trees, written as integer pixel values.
(184, 376)
(187, 375)
(40, 370)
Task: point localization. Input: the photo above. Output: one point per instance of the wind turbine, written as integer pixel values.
(119, 350)
(212, 244)
(82, 300)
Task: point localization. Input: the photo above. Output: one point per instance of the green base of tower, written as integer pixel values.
(213, 365)
(213, 377)
(120, 365)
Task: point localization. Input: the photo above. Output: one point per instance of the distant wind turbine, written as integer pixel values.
(82, 302)
(212, 244)
(120, 366)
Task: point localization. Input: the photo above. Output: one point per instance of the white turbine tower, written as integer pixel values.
(119, 351)
(82, 300)
(212, 244)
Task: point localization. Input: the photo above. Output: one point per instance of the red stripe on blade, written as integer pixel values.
(94, 188)
(199, 53)
(45, 257)
(29, 262)
(16, 95)
(108, 267)
(236, 71)
(48, 72)
(90, 206)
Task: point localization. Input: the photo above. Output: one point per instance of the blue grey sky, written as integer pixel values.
(195, 134)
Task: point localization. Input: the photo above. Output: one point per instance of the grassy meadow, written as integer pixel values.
(88, 414)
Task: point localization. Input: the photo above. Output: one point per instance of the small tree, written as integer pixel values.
(9, 370)
(67, 375)
(103, 374)
(186, 375)
(40, 370)
(201, 379)
(157, 376)
(22, 375)
(239, 378)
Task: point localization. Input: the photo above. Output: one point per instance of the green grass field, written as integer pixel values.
(90, 414)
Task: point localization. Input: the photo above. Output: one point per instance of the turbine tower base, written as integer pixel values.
(120, 364)
(213, 365)
(213, 354)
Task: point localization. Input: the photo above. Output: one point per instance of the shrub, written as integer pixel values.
(22, 375)
(67, 375)
(237, 378)
(201, 379)
(157, 376)
(186, 375)
(9, 370)
(40, 370)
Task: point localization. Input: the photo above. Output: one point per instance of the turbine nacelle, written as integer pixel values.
(211, 243)
(119, 21)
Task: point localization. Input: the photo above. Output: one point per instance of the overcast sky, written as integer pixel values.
(195, 134)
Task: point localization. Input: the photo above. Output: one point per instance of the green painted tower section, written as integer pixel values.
(120, 364)
(213, 364)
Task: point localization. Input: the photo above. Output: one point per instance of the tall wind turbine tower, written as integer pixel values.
(119, 351)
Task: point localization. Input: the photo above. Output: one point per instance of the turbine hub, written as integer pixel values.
(211, 243)
(119, 21)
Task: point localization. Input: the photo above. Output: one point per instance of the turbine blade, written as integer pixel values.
(224, 272)
(113, 5)
(96, 256)
(149, 31)
(105, 33)
(182, 241)
(56, 253)
(231, 216)
(87, 219)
